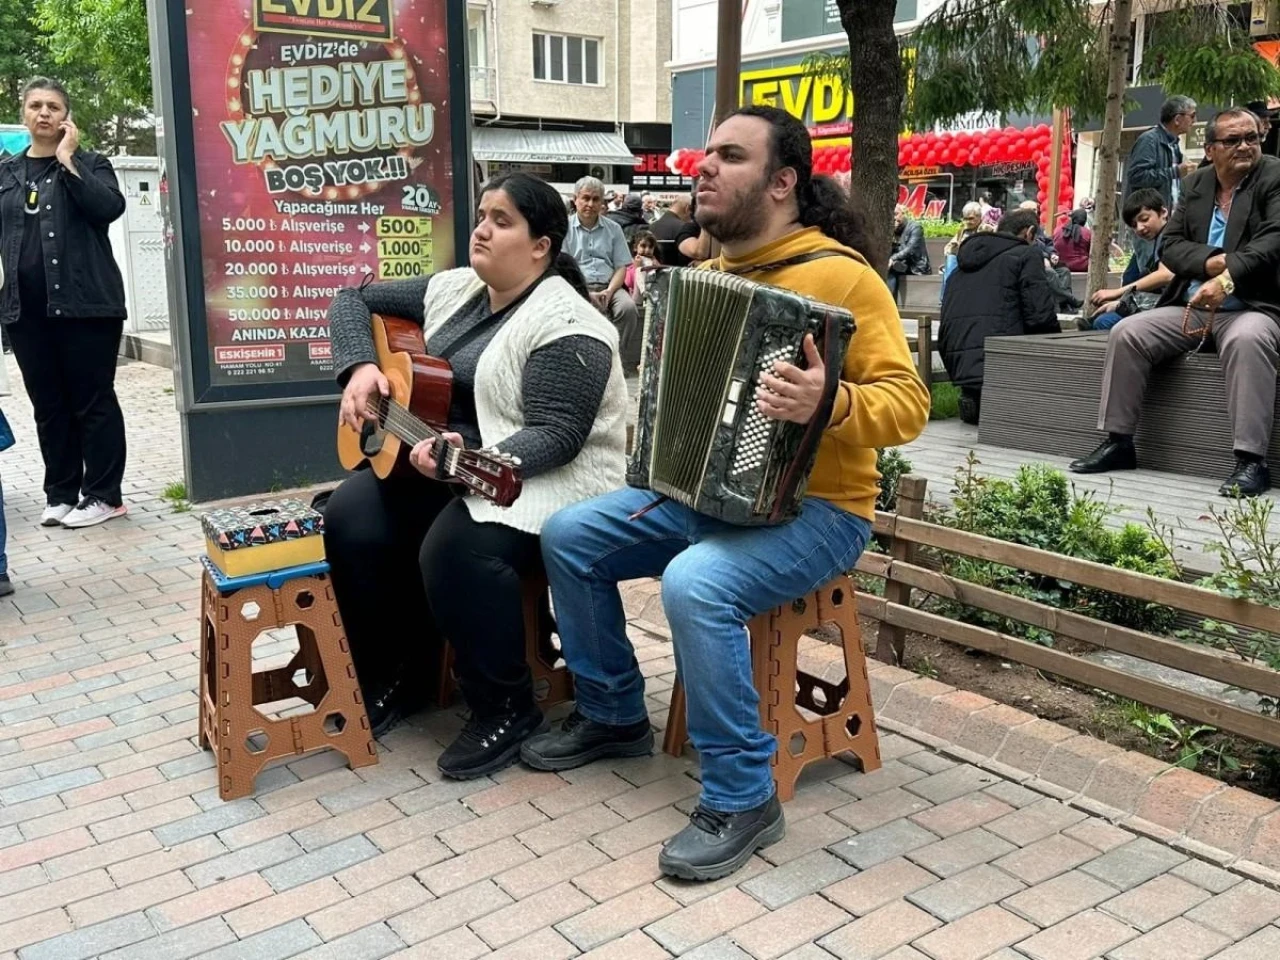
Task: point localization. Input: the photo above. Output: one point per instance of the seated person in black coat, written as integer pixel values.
(998, 289)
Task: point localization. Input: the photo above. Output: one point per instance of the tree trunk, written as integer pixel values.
(1109, 144)
(876, 81)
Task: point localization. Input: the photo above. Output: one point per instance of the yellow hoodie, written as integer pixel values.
(881, 400)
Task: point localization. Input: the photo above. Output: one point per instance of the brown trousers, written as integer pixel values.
(1248, 344)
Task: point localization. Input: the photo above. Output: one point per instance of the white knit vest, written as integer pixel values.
(552, 311)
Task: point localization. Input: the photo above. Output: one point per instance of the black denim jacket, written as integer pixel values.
(75, 212)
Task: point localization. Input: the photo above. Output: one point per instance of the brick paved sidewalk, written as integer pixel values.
(113, 842)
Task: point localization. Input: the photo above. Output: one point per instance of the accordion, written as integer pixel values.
(700, 438)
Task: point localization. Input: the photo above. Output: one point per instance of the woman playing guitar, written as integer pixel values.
(536, 376)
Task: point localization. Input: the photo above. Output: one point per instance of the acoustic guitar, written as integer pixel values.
(417, 410)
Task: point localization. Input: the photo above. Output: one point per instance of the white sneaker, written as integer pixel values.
(90, 512)
(54, 514)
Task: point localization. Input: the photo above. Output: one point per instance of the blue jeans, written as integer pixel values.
(4, 532)
(1105, 321)
(715, 577)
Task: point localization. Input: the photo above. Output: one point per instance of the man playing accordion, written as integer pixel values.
(758, 197)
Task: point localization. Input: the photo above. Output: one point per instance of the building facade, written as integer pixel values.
(566, 88)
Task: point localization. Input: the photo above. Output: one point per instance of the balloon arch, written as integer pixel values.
(1031, 145)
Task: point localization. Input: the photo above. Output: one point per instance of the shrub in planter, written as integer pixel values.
(1039, 508)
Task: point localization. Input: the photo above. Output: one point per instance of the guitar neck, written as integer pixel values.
(412, 430)
(404, 424)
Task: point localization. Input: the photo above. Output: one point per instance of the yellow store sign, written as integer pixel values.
(813, 100)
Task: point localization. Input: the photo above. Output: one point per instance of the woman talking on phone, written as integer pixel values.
(64, 306)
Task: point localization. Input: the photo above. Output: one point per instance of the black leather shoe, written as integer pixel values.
(1251, 478)
(1110, 455)
(580, 741)
(490, 743)
(715, 845)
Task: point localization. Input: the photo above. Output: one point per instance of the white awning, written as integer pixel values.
(548, 146)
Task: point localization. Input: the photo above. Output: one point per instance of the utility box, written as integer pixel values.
(137, 240)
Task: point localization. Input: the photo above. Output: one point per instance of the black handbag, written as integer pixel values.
(1134, 301)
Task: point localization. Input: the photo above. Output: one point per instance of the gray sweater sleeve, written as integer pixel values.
(350, 313)
(564, 383)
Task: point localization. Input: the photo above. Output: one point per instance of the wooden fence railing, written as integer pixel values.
(902, 572)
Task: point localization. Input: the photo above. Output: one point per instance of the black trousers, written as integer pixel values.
(69, 369)
(410, 566)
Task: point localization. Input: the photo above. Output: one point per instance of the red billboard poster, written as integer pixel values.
(323, 159)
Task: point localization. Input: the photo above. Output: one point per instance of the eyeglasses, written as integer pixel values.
(1233, 143)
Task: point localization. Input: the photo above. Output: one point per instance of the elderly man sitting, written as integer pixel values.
(598, 245)
(1223, 245)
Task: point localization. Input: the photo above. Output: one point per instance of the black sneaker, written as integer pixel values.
(715, 845)
(580, 741)
(490, 743)
(6, 585)
(389, 705)
(1251, 478)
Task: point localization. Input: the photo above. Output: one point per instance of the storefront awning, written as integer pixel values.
(549, 146)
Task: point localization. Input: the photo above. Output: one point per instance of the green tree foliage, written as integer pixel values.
(1000, 56)
(110, 35)
(1201, 52)
(21, 55)
(98, 49)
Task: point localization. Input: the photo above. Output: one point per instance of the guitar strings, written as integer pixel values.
(413, 430)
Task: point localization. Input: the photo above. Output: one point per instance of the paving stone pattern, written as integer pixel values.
(114, 843)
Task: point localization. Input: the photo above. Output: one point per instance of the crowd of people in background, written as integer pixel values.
(1201, 277)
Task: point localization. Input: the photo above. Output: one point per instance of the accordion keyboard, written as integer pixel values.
(756, 430)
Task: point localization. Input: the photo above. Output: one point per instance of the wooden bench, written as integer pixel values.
(1041, 393)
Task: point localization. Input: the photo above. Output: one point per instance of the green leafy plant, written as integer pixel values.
(940, 229)
(176, 494)
(1039, 508)
(945, 403)
(1160, 729)
(893, 466)
(1249, 569)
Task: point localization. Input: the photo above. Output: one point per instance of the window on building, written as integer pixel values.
(477, 37)
(562, 59)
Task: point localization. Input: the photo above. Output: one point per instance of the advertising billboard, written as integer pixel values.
(323, 154)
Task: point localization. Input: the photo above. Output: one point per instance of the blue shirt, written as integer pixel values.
(1217, 238)
(600, 250)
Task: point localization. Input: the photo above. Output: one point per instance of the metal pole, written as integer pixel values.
(728, 56)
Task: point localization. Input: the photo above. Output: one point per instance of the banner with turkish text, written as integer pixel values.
(323, 160)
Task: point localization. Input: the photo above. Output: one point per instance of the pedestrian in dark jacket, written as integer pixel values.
(1156, 160)
(910, 254)
(630, 216)
(999, 289)
(64, 306)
